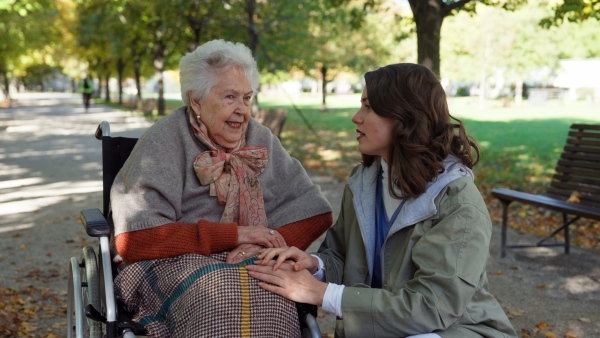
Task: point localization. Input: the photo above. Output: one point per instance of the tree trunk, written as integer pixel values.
(6, 82)
(483, 79)
(107, 89)
(428, 16)
(120, 69)
(324, 76)
(137, 73)
(159, 68)
(252, 34)
(98, 93)
(252, 44)
(519, 91)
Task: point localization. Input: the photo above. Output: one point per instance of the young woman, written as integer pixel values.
(407, 255)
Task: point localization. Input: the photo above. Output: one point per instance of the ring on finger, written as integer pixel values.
(242, 253)
(272, 232)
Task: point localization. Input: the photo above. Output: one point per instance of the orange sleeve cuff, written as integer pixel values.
(217, 237)
(301, 234)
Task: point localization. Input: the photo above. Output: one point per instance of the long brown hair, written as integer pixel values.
(423, 134)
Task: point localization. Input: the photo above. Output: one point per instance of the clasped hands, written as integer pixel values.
(288, 272)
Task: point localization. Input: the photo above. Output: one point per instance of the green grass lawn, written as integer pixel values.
(520, 143)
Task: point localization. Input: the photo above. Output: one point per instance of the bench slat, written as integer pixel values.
(581, 188)
(578, 164)
(581, 156)
(583, 134)
(579, 149)
(576, 172)
(572, 178)
(585, 126)
(583, 142)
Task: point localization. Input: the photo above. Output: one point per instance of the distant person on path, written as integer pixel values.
(204, 190)
(407, 255)
(87, 89)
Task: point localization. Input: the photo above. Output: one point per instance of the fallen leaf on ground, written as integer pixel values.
(541, 286)
(584, 320)
(570, 335)
(515, 313)
(550, 335)
(541, 325)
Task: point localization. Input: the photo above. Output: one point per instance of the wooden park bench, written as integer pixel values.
(273, 119)
(574, 190)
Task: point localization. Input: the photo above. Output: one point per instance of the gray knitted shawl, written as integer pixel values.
(157, 185)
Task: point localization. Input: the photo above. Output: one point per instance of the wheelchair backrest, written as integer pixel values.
(115, 151)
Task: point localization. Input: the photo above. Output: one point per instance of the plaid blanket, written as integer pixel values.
(199, 296)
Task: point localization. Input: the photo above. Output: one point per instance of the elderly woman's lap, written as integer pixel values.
(194, 295)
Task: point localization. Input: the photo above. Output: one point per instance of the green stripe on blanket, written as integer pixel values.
(167, 301)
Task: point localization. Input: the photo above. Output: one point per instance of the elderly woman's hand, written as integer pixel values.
(297, 258)
(242, 253)
(268, 238)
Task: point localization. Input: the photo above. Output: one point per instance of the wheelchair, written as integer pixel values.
(92, 310)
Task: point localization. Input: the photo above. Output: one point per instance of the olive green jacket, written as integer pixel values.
(434, 262)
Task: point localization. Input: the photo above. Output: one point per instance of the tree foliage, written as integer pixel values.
(573, 11)
(28, 29)
(506, 46)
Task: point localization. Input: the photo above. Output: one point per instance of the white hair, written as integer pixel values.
(200, 69)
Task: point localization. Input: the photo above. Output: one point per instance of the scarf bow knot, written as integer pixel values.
(233, 179)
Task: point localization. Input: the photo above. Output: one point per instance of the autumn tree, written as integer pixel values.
(21, 24)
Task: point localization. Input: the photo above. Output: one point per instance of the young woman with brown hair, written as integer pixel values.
(407, 255)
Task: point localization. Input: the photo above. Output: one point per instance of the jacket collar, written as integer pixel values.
(363, 185)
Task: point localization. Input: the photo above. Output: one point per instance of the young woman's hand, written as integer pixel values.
(268, 238)
(299, 259)
(299, 286)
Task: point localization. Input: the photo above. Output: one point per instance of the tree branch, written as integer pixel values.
(448, 7)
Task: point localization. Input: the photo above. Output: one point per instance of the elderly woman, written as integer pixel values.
(205, 189)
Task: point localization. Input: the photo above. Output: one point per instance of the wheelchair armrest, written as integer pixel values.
(94, 223)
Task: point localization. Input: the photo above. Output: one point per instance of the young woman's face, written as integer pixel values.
(226, 110)
(374, 131)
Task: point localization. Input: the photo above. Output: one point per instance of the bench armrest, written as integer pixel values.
(94, 223)
(507, 195)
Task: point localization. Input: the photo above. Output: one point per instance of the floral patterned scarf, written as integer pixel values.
(233, 177)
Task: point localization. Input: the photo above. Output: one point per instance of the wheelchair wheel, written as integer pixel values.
(84, 288)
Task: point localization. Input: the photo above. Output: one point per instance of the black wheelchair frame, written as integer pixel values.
(92, 307)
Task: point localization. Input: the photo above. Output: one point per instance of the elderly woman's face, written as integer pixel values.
(226, 110)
